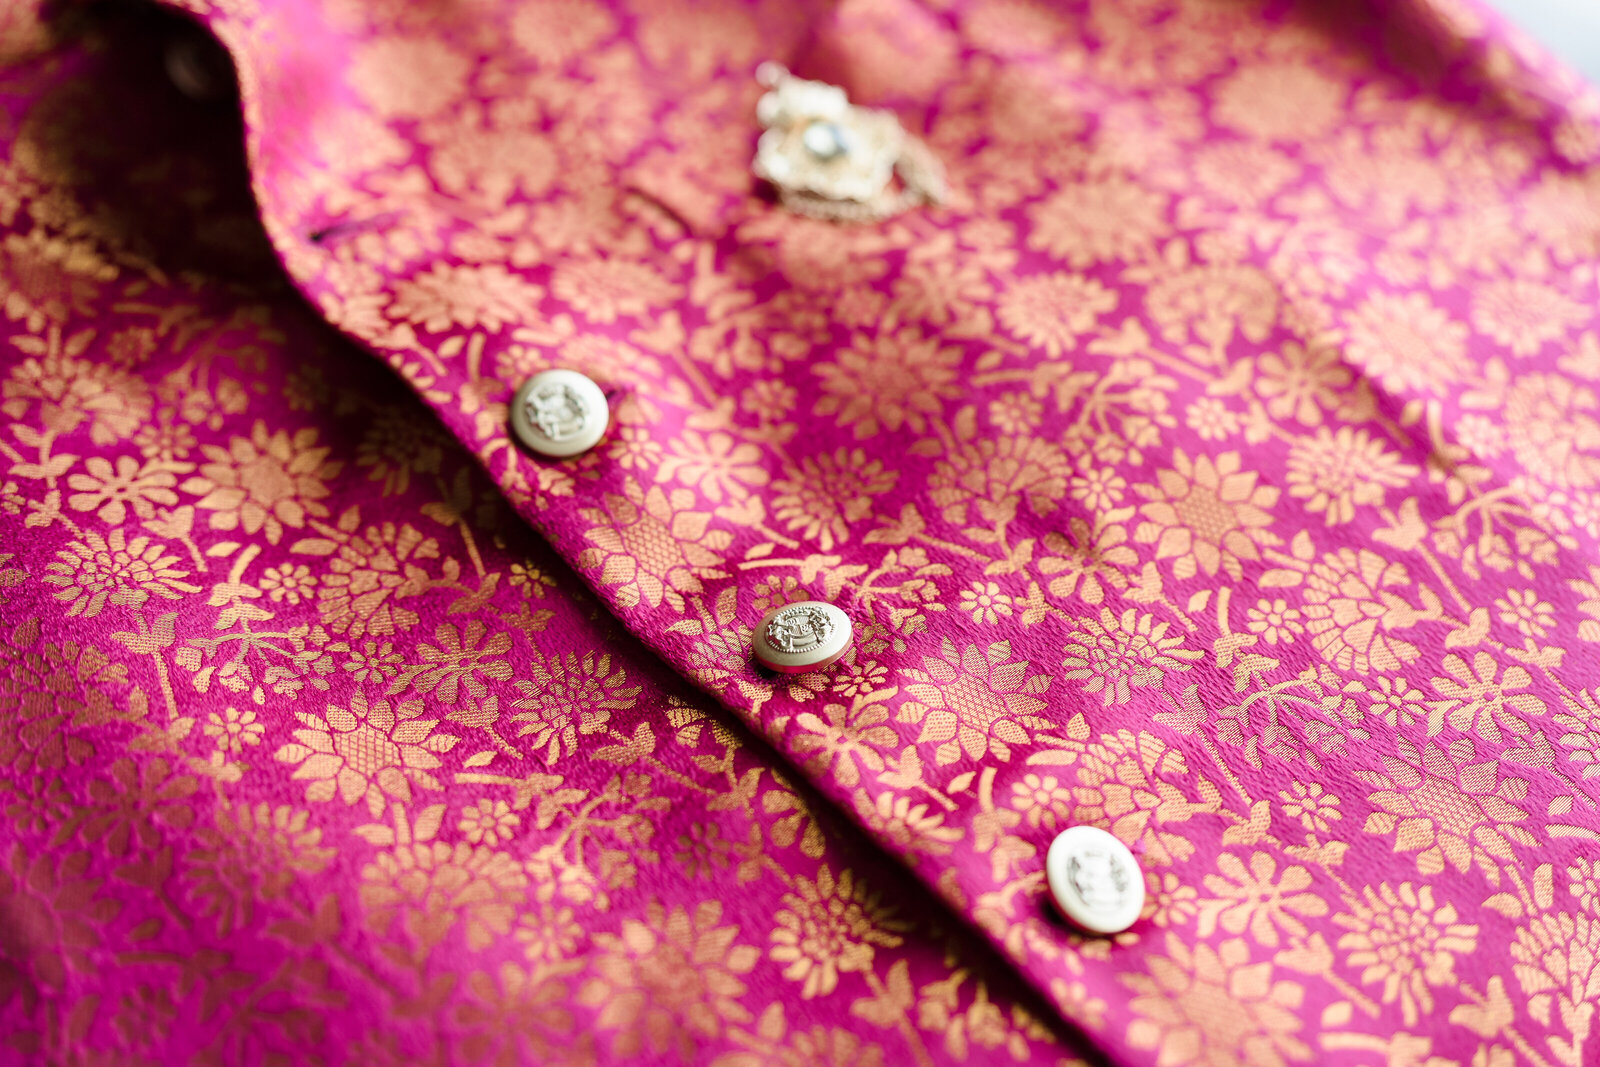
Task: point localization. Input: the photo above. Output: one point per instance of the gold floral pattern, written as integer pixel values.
(828, 926)
(370, 751)
(1260, 405)
(974, 701)
(264, 482)
(1401, 938)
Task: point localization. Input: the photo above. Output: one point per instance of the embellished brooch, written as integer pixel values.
(832, 160)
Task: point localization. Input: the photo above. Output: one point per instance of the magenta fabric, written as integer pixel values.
(1219, 467)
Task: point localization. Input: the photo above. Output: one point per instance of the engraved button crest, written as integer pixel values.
(1095, 880)
(802, 637)
(559, 413)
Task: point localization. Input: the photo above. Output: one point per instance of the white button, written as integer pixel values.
(1095, 880)
(559, 413)
(802, 637)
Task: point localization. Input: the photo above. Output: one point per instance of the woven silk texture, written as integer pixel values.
(1218, 466)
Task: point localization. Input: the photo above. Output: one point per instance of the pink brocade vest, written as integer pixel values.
(1218, 466)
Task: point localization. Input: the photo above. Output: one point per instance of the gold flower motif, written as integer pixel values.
(45, 690)
(264, 482)
(251, 853)
(1215, 1007)
(605, 359)
(1350, 615)
(567, 695)
(1302, 380)
(1241, 173)
(1523, 315)
(394, 448)
(1207, 515)
(1337, 472)
(71, 391)
(1584, 879)
(1170, 900)
(1051, 311)
(855, 737)
(554, 31)
(430, 886)
(1582, 737)
(942, 290)
(234, 730)
(50, 279)
(489, 822)
(1395, 702)
(716, 463)
(99, 570)
(548, 935)
(1286, 101)
(986, 479)
(1563, 211)
(903, 825)
(517, 1015)
(408, 77)
(1445, 808)
(652, 545)
(371, 751)
(1211, 302)
(1524, 610)
(828, 926)
(856, 677)
(1098, 220)
(366, 572)
(457, 663)
(669, 979)
(1401, 938)
(1043, 800)
(1124, 786)
(1258, 899)
(1556, 959)
(486, 298)
(975, 701)
(819, 497)
(1015, 413)
(1211, 419)
(985, 602)
(888, 381)
(1407, 343)
(1112, 653)
(603, 290)
(1315, 807)
(632, 448)
(1097, 488)
(165, 442)
(1480, 699)
(1553, 430)
(54, 898)
(820, 1046)
(1275, 621)
(290, 582)
(769, 400)
(110, 492)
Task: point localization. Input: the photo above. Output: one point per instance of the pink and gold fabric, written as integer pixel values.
(1220, 467)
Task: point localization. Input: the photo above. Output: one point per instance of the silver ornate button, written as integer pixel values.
(802, 637)
(559, 413)
(833, 160)
(1095, 880)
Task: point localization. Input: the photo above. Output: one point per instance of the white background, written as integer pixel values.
(1569, 28)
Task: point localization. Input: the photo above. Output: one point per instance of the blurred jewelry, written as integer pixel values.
(832, 160)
